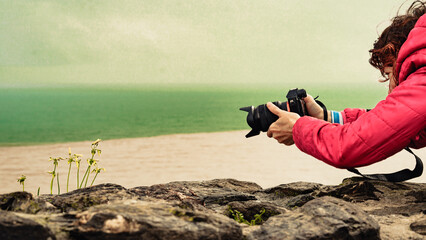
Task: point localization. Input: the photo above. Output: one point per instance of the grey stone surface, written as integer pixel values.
(84, 198)
(205, 193)
(356, 209)
(322, 218)
(14, 227)
(419, 226)
(152, 220)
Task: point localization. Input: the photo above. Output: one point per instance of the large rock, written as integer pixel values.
(201, 194)
(15, 227)
(220, 209)
(25, 202)
(395, 206)
(322, 218)
(84, 198)
(152, 220)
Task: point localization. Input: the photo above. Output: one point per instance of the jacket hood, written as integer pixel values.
(412, 54)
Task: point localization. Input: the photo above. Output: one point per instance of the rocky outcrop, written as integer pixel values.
(220, 209)
(322, 218)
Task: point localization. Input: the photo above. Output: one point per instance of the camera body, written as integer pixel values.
(260, 118)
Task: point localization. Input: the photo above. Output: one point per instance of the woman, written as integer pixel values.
(355, 137)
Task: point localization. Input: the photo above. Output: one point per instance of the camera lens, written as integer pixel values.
(260, 118)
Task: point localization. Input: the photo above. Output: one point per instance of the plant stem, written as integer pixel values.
(68, 178)
(82, 181)
(51, 182)
(90, 164)
(85, 184)
(78, 171)
(57, 178)
(38, 191)
(23, 186)
(94, 178)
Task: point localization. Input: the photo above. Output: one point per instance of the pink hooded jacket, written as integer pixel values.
(396, 122)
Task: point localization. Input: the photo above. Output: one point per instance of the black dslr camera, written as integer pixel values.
(260, 118)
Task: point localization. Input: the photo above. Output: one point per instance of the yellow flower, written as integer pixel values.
(77, 162)
(98, 170)
(22, 179)
(96, 142)
(55, 160)
(92, 161)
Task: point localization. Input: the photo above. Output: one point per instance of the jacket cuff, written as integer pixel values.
(300, 135)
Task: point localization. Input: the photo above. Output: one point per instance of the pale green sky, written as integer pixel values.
(196, 42)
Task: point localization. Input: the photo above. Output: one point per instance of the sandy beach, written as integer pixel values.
(182, 157)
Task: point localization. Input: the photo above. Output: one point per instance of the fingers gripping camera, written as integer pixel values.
(260, 118)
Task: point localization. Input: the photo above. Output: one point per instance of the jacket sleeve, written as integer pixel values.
(374, 135)
(351, 114)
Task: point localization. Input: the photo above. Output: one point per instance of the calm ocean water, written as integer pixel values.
(48, 115)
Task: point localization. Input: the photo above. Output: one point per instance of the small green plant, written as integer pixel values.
(97, 170)
(21, 181)
(77, 162)
(73, 158)
(258, 217)
(53, 173)
(91, 161)
(239, 217)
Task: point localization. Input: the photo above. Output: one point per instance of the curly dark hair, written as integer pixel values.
(386, 47)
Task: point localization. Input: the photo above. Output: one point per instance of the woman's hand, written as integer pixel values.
(313, 108)
(282, 129)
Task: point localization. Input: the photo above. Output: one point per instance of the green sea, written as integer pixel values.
(50, 115)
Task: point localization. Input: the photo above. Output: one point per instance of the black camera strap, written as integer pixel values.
(400, 176)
